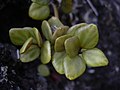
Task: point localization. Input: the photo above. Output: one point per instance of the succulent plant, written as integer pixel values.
(69, 49)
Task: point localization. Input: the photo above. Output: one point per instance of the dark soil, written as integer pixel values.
(15, 75)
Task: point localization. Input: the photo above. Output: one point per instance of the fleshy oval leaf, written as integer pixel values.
(88, 36)
(95, 57)
(59, 32)
(30, 54)
(72, 46)
(57, 61)
(74, 67)
(37, 37)
(55, 22)
(39, 12)
(26, 45)
(59, 43)
(43, 70)
(74, 28)
(18, 36)
(46, 52)
(41, 2)
(46, 30)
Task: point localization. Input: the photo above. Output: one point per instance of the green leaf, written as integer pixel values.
(39, 12)
(26, 45)
(74, 67)
(37, 37)
(95, 57)
(46, 30)
(66, 6)
(88, 36)
(46, 52)
(55, 22)
(72, 46)
(74, 28)
(59, 32)
(43, 70)
(57, 61)
(59, 43)
(30, 54)
(41, 2)
(18, 36)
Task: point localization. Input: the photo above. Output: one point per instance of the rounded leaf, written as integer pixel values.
(55, 22)
(74, 28)
(57, 61)
(18, 36)
(59, 32)
(37, 37)
(39, 12)
(59, 43)
(95, 58)
(72, 46)
(46, 52)
(41, 2)
(74, 67)
(46, 30)
(88, 36)
(26, 45)
(30, 54)
(43, 70)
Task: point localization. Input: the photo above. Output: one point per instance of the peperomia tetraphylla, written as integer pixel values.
(61, 46)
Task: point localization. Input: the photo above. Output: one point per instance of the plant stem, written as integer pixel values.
(55, 10)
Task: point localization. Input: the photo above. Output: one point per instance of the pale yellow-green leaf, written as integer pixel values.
(45, 52)
(46, 30)
(74, 67)
(26, 45)
(30, 54)
(57, 61)
(18, 36)
(74, 28)
(88, 36)
(72, 46)
(39, 12)
(95, 57)
(43, 70)
(37, 37)
(59, 43)
(55, 22)
(59, 32)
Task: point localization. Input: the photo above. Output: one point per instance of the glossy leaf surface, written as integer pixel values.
(59, 43)
(43, 70)
(74, 67)
(74, 28)
(57, 61)
(18, 36)
(26, 45)
(59, 32)
(88, 36)
(30, 54)
(95, 58)
(37, 37)
(46, 30)
(39, 12)
(46, 52)
(72, 46)
(55, 22)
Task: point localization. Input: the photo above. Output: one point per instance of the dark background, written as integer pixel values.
(15, 75)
